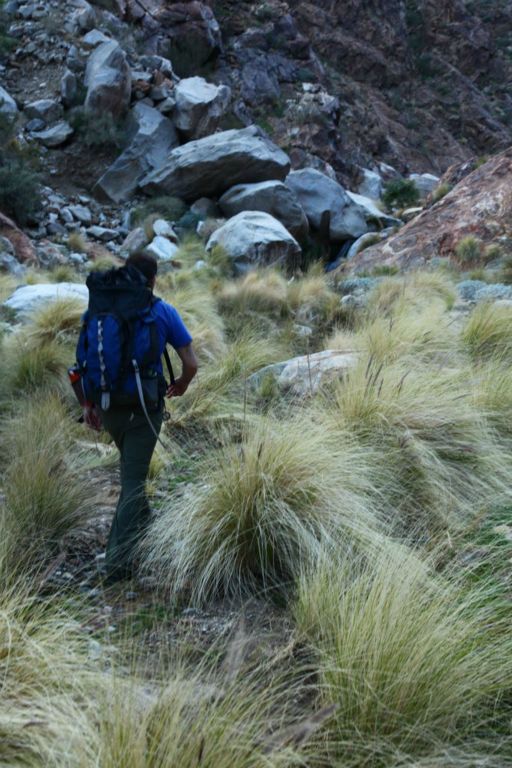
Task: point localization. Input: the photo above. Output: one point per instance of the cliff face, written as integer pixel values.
(419, 85)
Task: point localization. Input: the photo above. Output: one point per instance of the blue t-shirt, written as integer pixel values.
(170, 327)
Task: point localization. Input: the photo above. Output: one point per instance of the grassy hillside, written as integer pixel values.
(327, 578)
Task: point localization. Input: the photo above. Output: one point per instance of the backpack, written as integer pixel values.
(118, 348)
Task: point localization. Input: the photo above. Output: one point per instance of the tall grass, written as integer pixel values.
(488, 331)
(260, 510)
(442, 462)
(43, 494)
(414, 663)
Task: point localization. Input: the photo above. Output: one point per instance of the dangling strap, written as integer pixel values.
(169, 366)
(142, 401)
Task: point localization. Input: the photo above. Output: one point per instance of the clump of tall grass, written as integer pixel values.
(442, 460)
(492, 383)
(57, 321)
(488, 331)
(417, 289)
(258, 292)
(313, 302)
(238, 717)
(261, 509)
(43, 495)
(29, 366)
(410, 659)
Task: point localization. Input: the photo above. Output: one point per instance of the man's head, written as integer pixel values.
(146, 264)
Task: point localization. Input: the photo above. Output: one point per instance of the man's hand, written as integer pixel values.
(189, 370)
(177, 389)
(92, 417)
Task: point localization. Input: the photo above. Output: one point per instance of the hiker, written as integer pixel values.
(132, 411)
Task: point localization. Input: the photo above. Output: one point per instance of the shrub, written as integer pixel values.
(261, 510)
(409, 659)
(169, 208)
(506, 271)
(469, 250)
(20, 195)
(100, 131)
(420, 289)
(400, 193)
(487, 331)
(257, 292)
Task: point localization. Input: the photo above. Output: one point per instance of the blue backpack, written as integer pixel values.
(118, 348)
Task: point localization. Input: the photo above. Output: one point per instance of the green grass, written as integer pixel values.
(487, 332)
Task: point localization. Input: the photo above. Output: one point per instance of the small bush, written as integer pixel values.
(169, 208)
(29, 367)
(20, 195)
(506, 271)
(261, 510)
(469, 250)
(99, 131)
(257, 292)
(401, 193)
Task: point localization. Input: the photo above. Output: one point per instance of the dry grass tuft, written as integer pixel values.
(260, 510)
(488, 332)
(409, 658)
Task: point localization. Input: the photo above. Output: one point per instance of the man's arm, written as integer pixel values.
(189, 366)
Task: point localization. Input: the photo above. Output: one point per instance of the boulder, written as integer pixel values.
(10, 264)
(104, 234)
(108, 80)
(136, 240)
(210, 166)
(48, 110)
(273, 197)
(21, 244)
(162, 248)
(480, 206)
(328, 207)
(163, 228)
(199, 106)
(187, 33)
(371, 185)
(153, 138)
(375, 218)
(425, 182)
(304, 375)
(8, 107)
(30, 298)
(254, 239)
(68, 88)
(55, 136)
(94, 38)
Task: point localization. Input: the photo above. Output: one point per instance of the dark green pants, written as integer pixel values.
(136, 442)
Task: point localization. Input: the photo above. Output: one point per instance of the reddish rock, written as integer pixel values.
(480, 205)
(23, 248)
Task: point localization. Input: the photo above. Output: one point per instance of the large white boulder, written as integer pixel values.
(330, 210)
(255, 239)
(373, 214)
(371, 185)
(273, 197)
(208, 167)
(153, 137)
(30, 298)
(199, 106)
(8, 107)
(162, 248)
(425, 182)
(304, 375)
(108, 80)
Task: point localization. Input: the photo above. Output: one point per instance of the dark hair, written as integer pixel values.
(144, 262)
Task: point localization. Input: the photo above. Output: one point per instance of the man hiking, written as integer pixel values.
(124, 336)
